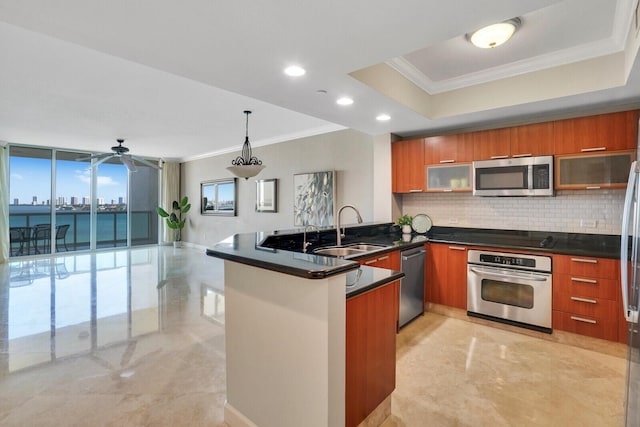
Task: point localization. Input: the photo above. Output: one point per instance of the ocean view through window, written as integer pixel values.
(88, 207)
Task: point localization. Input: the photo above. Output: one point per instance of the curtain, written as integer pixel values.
(4, 204)
(170, 192)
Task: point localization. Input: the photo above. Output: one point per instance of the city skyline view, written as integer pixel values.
(31, 177)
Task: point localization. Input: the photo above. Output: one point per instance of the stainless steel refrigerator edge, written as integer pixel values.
(411, 285)
(629, 287)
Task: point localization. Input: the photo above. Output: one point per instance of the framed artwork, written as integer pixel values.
(218, 197)
(313, 198)
(267, 195)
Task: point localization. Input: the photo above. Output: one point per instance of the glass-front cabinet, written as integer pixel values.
(448, 178)
(593, 171)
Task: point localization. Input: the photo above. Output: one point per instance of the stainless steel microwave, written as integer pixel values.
(522, 176)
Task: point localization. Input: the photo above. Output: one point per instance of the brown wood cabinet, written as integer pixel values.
(532, 140)
(407, 166)
(390, 261)
(370, 352)
(585, 296)
(604, 132)
(492, 144)
(448, 149)
(593, 171)
(447, 272)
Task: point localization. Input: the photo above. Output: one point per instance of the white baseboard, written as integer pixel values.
(234, 418)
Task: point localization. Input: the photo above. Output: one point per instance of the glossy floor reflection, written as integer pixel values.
(136, 338)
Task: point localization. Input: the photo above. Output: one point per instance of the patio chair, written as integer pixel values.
(18, 236)
(61, 234)
(41, 233)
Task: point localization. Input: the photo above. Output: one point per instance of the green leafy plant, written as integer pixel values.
(404, 220)
(175, 221)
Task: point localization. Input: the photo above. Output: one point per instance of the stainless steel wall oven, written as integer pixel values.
(512, 288)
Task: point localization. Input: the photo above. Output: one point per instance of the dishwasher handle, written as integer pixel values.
(413, 255)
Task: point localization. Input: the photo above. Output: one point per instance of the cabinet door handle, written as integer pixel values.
(579, 279)
(499, 157)
(415, 191)
(522, 155)
(457, 248)
(586, 150)
(448, 190)
(590, 301)
(588, 261)
(593, 187)
(582, 319)
(448, 161)
(382, 258)
(371, 261)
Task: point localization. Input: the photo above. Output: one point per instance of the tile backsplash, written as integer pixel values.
(580, 211)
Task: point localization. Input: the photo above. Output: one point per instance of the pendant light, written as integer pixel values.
(246, 165)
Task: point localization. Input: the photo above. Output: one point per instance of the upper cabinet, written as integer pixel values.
(519, 141)
(532, 140)
(448, 149)
(604, 132)
(407, 166)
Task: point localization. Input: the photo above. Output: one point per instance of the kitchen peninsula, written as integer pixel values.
(291, 336)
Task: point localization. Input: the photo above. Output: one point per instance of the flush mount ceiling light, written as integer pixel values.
(344, 101)
(295, 71)
(246, 165)
(494, 35)
(383, 117)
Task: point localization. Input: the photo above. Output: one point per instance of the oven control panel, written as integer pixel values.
(512, 260)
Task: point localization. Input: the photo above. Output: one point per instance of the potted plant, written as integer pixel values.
(175, 221)
(405, 222)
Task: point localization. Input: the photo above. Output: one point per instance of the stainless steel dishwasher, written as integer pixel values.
(412, 284)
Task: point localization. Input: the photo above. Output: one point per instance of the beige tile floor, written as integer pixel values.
(136, 338)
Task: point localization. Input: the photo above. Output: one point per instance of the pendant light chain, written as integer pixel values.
(246, 158)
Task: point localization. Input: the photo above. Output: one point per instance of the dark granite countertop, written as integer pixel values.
(594, 245)
(367, 278)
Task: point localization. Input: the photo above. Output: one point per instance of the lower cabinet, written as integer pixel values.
(390, 261)
(370, 351)
(447, 268)
(586, 296)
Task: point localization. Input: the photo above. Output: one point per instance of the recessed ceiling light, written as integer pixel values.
(494, 35)
(344, 101)
(295, 71)
(383, 117)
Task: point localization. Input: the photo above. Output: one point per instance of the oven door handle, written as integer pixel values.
(508, 274)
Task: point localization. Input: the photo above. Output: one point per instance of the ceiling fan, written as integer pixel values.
(120, 151)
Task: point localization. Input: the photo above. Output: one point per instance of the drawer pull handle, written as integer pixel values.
(447, 191)
(415, 191)
(499, 157)
(382, 258)
(593, 187)
(588, 261)
(522, 155)
(586, 150)
(457, 248)
(448, 161)
(579, 279)
(590, 301)
(371, 261)
(582, 319)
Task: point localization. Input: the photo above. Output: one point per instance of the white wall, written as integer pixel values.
(348, 152)
(565, 212)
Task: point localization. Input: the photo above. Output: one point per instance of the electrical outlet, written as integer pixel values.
(588, 223)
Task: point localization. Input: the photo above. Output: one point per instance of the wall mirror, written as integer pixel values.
(218, 197)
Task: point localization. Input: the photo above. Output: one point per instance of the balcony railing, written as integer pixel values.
(111, 230)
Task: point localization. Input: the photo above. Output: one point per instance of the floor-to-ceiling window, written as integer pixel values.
(59, 202)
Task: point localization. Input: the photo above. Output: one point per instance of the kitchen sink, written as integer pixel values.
(339, 251)
(349, 250)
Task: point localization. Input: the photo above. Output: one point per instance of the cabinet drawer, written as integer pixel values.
(587, 286)
(586, 267)
(585, 306)
(584, 325)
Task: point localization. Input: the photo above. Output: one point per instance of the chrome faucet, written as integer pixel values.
(339, 235)
(306, 244)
